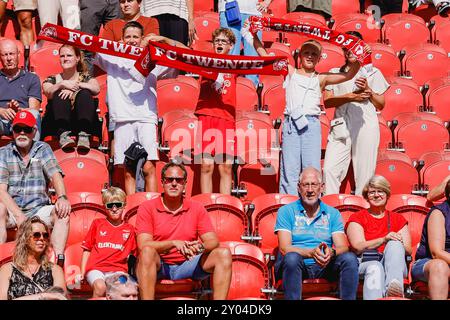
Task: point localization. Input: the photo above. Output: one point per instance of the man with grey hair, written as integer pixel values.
(120, 286)
(307, 229)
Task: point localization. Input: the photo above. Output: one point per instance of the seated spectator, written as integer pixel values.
(176, 239)
(438, 192)
(108, 243)
(68, 9)
(247, 8)
(26, 168)
(322, 7)
(31, 273)
(433, 255)
(120, 286)
(382, 239)
(19, 88)
(307, 230)
(442, 6)
(24, 10)
(71, 107)
(130, 11)
(132, 107)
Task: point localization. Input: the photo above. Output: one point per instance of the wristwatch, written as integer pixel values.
(334, 252)
(63, 196)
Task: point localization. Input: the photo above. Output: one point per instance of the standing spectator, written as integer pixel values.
(382, 238)
(301, 126)
(94, 14)
(120, 286)
(130, 10)
(71, 107)
(26, 167)
(24, 10)
(3, 4)
(19, 88)
(68, 9)
(357, 102)
(175, 17)
(432, 263)
(442, 6)
(132, 107)
(168, 229)
(307, 229)
(31, 273)
(322, 7)
(247, 8)
(108, 244)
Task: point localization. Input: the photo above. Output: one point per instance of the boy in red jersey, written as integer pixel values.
(108, 243)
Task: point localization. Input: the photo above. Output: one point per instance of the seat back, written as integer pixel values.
(133, 202)
(84, 174)
(347, 204)
(178, 93)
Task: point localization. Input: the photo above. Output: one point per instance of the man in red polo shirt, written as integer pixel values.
(176, 239)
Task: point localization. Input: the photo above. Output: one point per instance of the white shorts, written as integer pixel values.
(126, 133)
(44, 213)
(94, 275)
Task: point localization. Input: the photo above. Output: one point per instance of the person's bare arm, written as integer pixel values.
(84, 260)
(332, 101)
(210, 241)
(438, 192)
(5, 274)
(146, 239)
(34, 103)
(377, 99)
(191, 24)
(285, 245)
(355, 234)
(328, 78)
(11, 205)
(162, 39)
(406, 239)
(340, 242)
(62, 205)
(436, 236)
(58, 277)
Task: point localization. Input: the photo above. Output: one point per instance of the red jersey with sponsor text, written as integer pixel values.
(218, 98)
(109, 245)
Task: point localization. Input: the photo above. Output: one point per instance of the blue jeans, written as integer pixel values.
(378, 274)
(292, 269)
(300, 149)
(249, 50)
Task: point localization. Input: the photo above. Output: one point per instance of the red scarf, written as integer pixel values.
(203, 63)
(352, 43)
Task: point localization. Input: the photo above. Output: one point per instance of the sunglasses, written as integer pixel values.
(111, 205)
(19, 129)
(37, 235)
(178, 180)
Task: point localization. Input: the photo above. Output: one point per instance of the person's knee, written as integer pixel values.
(148, 256)
(348, 259)
(292, 260)
(99, 287)
(25, 21)
(439, 268)
(207, 168)
(374, 268)
(148, 169)
(225, 169)
(395, 246)
(224, 257)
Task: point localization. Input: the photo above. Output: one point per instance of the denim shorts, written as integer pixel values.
(418, 269)
(190, 269)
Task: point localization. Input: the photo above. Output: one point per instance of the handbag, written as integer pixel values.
(339, 129)
(373, 254)
(232, 12)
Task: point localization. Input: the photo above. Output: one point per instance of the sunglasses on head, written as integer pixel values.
(37, 235)
(177, 179)
(19, 129)
(111, 205)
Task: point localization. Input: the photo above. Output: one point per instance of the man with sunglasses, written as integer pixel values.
(120, 286)
(176, 239)
(26, 168)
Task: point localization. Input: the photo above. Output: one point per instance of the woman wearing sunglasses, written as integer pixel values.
(31, 273)
(108, 243)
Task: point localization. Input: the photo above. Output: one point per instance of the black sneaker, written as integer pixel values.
(443, 8)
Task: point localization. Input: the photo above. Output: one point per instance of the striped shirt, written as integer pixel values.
(153, 8)
(27, 184)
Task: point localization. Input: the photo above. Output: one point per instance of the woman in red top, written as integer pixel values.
(382, 235)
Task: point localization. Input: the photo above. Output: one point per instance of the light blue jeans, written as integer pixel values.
(378, 274)
(249, 50)
(6, 129)
(300, 149)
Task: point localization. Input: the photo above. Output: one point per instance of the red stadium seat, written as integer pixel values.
(385, 133)
(133, 202)
(86, 207)
(332, 57)
(45, 61)
(403, 95)
(274, 100)
(347, 204)
(205, 26)
(424, 62)
(415, 214)
(227, 215)
(439, 98)
(435, 173)
(179, 93)
(249, 271)
(442, 34)
(357, 22)
(247, 98)
(322, 298)
(72, 272)
(418, 133)
(6, 251)
(385, 59)
(401, 202)
(278, 8)
(205, 46)
(181, 288)
(179, 131)
(178, 298)
(307, 18)
(93, 154)
(270, 37)
(84, 175)
(264, 216)
(401, 30)
(397, 168)
(204, 5)
(344, 6)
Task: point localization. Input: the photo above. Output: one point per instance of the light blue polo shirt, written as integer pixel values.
(292, 218)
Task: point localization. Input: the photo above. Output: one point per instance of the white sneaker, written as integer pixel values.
(394, 289)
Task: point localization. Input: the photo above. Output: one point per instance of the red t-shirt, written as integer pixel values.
(218, 98)
(376, 228)
(188, 224)
(113, 29)
(109, 245)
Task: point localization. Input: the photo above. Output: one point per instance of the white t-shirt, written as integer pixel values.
(128, 99)
(245, 6)
(150, 8)
(303, 94)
